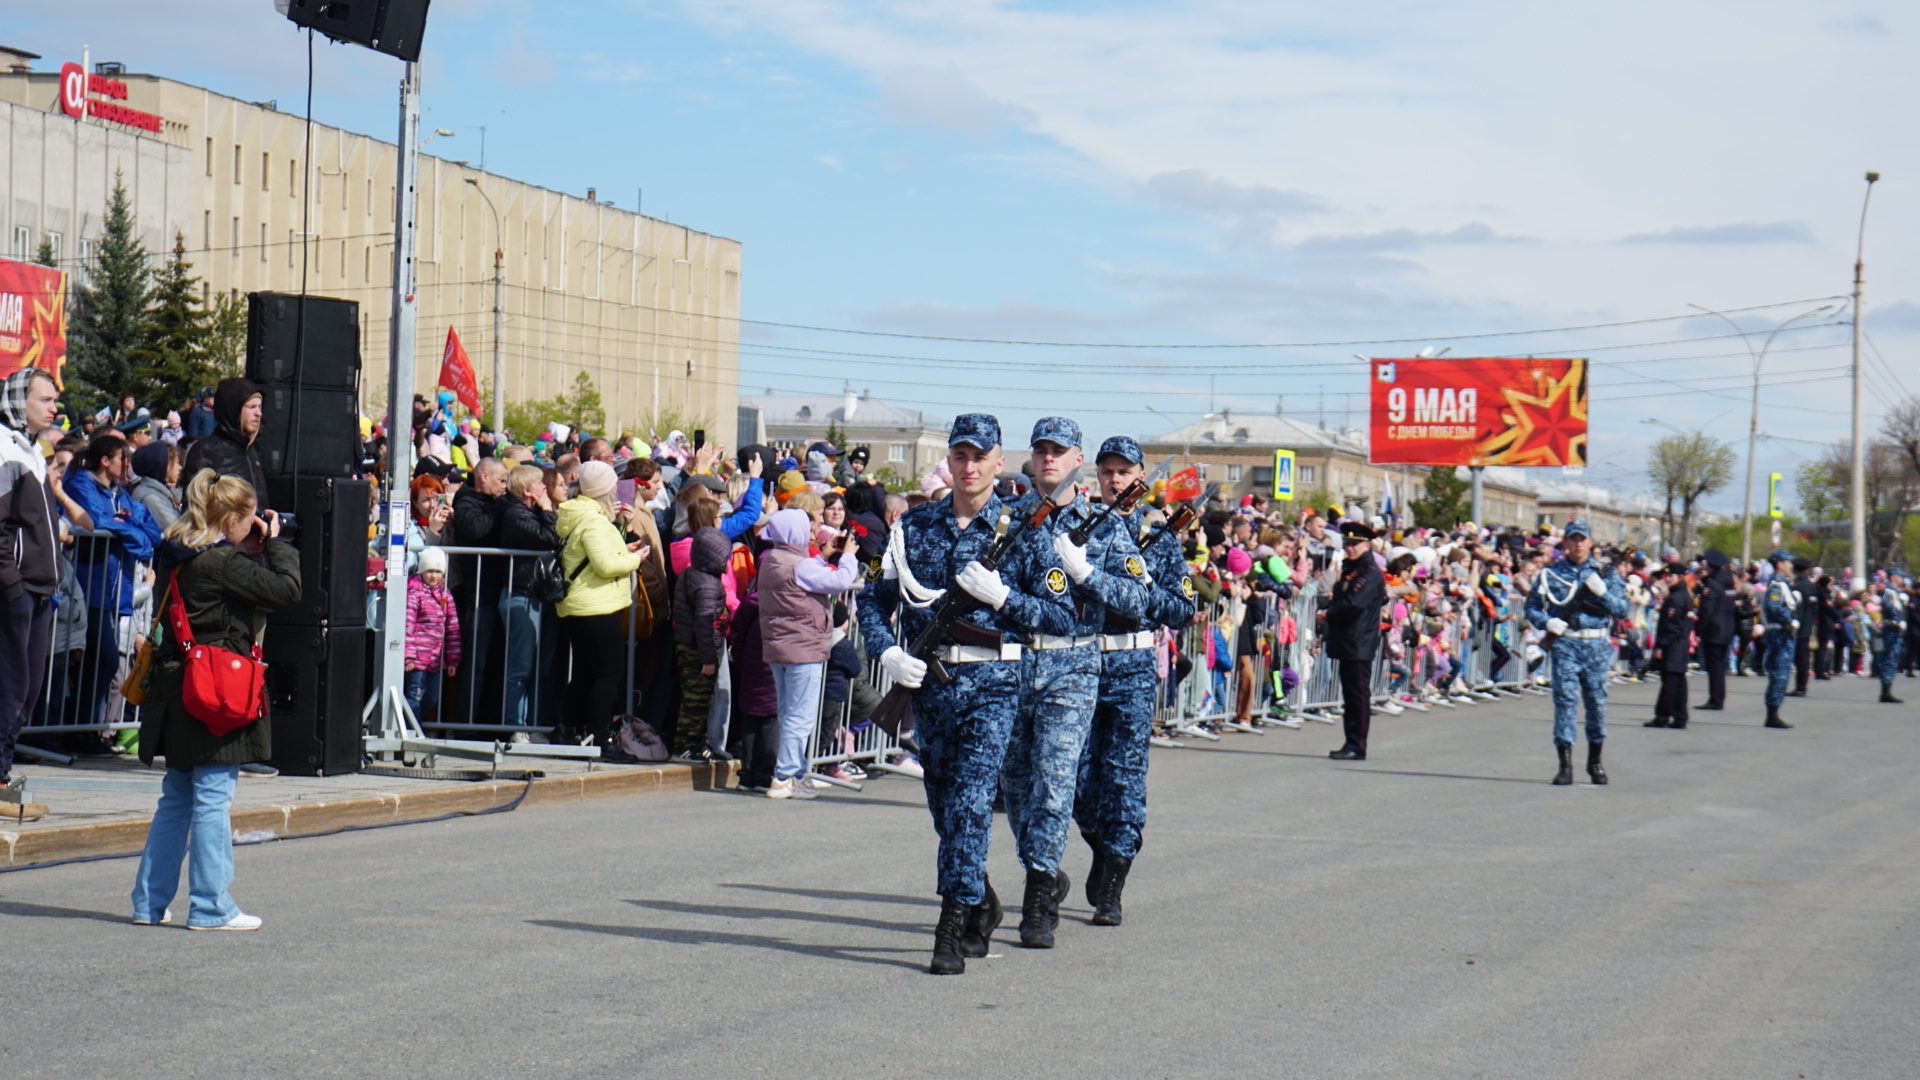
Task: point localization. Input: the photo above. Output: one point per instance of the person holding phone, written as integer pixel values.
(796, 634)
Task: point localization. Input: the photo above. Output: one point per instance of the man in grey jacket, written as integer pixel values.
(29, 551)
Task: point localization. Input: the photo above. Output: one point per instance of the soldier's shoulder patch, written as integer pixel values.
(1056, 581)
(1136, 567)
(873, 568)
(1186, 588)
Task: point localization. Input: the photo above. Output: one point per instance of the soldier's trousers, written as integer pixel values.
(1887, 665)
(1713, 659)
(1779, 666)
(1802, 653)
(963, 729)
(1580, 677)
(1058, 688)
(1111, 799)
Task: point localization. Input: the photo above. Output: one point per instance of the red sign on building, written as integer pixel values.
(76, 85)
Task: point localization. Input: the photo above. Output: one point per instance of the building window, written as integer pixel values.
(1203, 471)
(236, 236)
(53, 246)
(236, 163)
(291, 245)
(263, 241)
(896, 452)
(206, 231)
(83, 265)
(22, 242)
(1309, 474)
(1233, 474)
(293, 178)
(1263, 475)
(265, 160)
(209, 156)
(369, 196)
(806, 412)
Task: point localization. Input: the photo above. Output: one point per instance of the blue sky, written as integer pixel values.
(1204, 172)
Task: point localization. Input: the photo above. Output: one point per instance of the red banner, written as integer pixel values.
(33, 318)
(456, 374)
(1184, 484)
(1479, 411)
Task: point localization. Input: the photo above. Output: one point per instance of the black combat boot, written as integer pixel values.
(1773, 718)
(1595, 771)
(1099, 866)
(1106, 909)
(982, 920)
(1040, 910)
(946, 938)
(1658, 721)
(1886, 695)
(1565, 776)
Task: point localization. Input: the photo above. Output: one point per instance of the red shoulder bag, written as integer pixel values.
(222, 689)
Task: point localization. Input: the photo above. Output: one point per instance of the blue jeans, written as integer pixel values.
(191, 822)
(797, 688)
(423, 693)
(529, 650)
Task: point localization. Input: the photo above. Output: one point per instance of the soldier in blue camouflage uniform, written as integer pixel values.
(1110, 803)
(1779, 613)
(1059, 683)
(1576, 600)
(1893, 633)
(963, 726)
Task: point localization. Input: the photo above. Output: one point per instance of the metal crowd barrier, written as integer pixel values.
(93, 643)
(513, 670)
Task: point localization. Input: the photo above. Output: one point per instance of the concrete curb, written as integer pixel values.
(294, 819)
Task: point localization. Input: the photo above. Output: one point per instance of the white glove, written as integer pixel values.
(1073, 558)
(1597, 585)
(1556, 626)
(902, 668)
(983, 585)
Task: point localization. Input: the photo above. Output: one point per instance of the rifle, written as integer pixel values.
(1178, 521)
(1127, 500)
(956, 604)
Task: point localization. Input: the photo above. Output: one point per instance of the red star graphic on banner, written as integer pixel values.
(1547, 427)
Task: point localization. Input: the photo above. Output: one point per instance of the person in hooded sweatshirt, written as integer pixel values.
(229, 451)
(156, 469)
(796, 596)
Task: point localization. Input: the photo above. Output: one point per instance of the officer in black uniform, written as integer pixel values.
(1670, 641)
(1806, 612)
(1715, 624)
(1353, 633)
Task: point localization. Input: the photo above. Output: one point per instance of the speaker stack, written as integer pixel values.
(304, 353)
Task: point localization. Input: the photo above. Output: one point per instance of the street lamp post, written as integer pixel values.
(499, 317)
(1753, 422)
(1857, 535)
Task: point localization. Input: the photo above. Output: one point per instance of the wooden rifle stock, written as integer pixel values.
(1129, 498)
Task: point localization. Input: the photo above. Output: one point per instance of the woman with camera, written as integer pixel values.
(214, 584)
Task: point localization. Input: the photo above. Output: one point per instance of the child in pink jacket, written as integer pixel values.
(433, 632)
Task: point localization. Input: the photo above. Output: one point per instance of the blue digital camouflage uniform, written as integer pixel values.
(1111, 802)
(1059, 686)
(963, 726)
(1777, 612)
(1893, 631)
(1581, 657)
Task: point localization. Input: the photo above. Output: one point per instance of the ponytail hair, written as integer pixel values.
(212, 501)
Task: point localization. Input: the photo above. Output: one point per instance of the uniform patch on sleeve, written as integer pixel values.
(874, 568)
(1186, 588)
(1136, 567)
(1057, 581)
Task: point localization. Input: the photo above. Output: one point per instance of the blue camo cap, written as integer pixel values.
(1578, 525)
(975, 428)
(1122, 445)
(1056, 429)
(1780, 556)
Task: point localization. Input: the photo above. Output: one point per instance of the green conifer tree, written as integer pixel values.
(45, 255)
(1446, 503)
(170, 364)
(109, 312)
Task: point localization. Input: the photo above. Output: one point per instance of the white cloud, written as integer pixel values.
(1774, 232)
(944, 99)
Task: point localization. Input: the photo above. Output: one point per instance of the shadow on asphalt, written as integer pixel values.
(41, 911)
(756, 941)
(724, 912)
(838, 894)
(1445, 776)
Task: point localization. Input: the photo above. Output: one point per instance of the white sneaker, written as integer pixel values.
(165, 918)
(791, 789)
(522, 738)
(242, 921)
(807, 783)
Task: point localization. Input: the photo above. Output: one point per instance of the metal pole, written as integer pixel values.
(499, 324)
(1479, 504)
(400, 402)
(1857, 500)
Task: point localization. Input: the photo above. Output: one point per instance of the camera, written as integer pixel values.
(289, 528)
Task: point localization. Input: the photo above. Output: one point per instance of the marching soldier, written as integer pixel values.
(1060, 679)
(1778, 612)
(1110, 803)
(1893, 633)
(963, 725)
(1577, 598)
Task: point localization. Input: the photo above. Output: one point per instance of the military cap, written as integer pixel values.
(1716, 558)
(136, 425)
(1780, 556)
(975, 428)
(1578, 527)
(1123, 446)
(1801, 562)
(1677, 569)
(1355, 530)
(1056, 429)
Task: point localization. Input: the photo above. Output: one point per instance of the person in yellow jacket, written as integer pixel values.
(599, 563)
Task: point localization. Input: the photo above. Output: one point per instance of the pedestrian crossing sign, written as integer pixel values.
(1773, 495)
(1283, 475)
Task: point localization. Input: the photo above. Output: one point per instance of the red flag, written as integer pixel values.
(456, 374)
(1184, 484)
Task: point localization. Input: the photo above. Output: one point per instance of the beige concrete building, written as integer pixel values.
(648, 309)
(898, 439)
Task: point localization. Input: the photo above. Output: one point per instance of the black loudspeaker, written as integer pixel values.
(328, 359)
(316, 689)
(393, 27)
(331, 517)
(307, 432)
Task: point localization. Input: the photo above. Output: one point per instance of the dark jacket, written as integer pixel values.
(1676, 623)
(227, 451)
(227, 593)
(699, 597)
(1807, 612)
(201, 422)
(476, 523)
(526, 528)
(753, 692)
(1353, 612)
(1716, 607)
(843, 666)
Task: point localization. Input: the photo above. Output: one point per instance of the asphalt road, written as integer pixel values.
(1739, 903)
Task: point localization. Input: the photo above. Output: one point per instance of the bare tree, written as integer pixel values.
(1893, 480)
(1688, 468)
